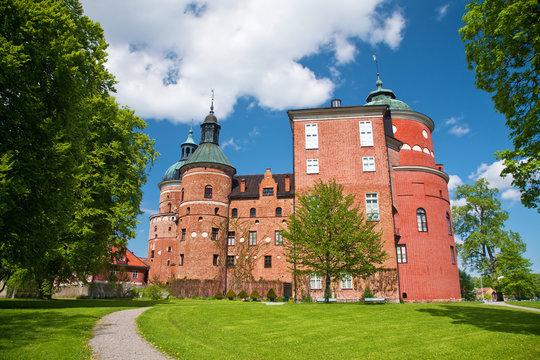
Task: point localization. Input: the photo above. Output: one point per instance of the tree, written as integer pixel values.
(330, 237)
(467, 286)
(486, 246)
(502, 40)
(71, 161)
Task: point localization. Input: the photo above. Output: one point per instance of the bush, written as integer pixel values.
(243, 295)
(230, 294)
(218, 296)
(271, 294)
(367, 293)
(255, 295)
(152, 292)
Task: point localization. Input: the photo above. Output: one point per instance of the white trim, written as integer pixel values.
(422, 169)
(202, 202)
(170, 191)
(205, 173)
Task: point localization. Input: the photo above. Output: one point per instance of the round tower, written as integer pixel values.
(162, 242)
(203, 209)
(423, 230)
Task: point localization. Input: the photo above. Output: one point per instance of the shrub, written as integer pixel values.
(271, 294)
(367, 293)
(243, 295)
(218, 296)
(152, 292)
(255, 295)
(230, 294)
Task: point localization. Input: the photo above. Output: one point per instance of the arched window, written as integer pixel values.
(278, 211)
(216, 211)
(421, 220)
(169, 204)
(234, 212)
(208, 192)
(188, 210)
(182, 198)
(448, 224)
(252, 212)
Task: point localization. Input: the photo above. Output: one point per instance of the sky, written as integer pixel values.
(263, 58)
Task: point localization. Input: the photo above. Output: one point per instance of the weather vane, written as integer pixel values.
(376, 64)
(212, 105)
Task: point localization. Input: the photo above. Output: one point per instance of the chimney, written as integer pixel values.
(287, 183)
(243, 185)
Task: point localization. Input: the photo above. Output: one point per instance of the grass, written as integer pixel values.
(191, 329)
(531, 304)
(53, 329)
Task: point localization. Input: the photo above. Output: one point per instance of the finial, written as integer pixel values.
(191, 127)
(212, 105)
(379, 82)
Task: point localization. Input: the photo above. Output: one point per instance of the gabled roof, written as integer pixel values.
(253, 182)
(131, 260)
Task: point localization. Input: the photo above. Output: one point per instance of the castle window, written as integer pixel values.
(155, 228)
(188, 210)
(368, 163)
(216, 211)
(346, 282)
(168, 262)
(448, 224)
(183, 236)
(278, 211)
(268, 191)
(421, 220)
(169, 249)
(372, 207)
(278, 238)
(230, 261)
(152, 254)
(366, 133)
(135, 274)
(401, 254)
(215, 232)
(230, 238)
(268, 261)
(169, 206)
(453, 255)
(167, 197)
(312, 166)
(252, 212)
(182, 196)
(315, 282)
(181, 260)
(169, 228)
(252, 238)
(208, 192)
(312, 137)
(234, 213)
(215, 261)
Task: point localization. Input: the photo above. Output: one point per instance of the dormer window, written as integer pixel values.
(269, 191)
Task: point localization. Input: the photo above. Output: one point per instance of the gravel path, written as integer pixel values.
(499, 303)
(116, 337)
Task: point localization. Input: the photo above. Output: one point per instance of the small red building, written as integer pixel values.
(126, 268)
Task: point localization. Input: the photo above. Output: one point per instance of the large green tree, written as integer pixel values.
(502, 45)
(71, 161)
(329, 236)
(486, 246)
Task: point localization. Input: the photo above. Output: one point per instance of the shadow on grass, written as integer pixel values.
(74, 303)
(490, 318)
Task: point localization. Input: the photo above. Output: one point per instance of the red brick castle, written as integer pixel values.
(217, 230)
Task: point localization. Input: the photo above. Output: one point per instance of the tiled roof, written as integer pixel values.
(253, 182)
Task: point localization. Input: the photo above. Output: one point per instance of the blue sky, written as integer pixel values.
(263, 59)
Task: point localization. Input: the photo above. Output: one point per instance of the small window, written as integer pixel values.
(182, 196)
(278, 237)
(168, 262)
(215, 261)
(155, 228)
(453, 255)
(216, 211)
(152, 254)
(268, 261)
(268, 191)
(315, 282)
(312, 166)
(252, 238)
(231, 238)
(215, 232)
(278, 211)
(181, 260)
(188, 210)
(234, 213)
(169, 249)
(230, 261)
(312, 137)
(183, 236)
(366, 133)
(135, 275)
(448, 224)
(346, 282)
(404, 295)
(368, 163)
(372, 207)
(169, 206)
(252, 212)
(401, 254)
(421, 220)
(169, 228)
(208, 192)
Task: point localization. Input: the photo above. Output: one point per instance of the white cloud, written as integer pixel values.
(459, 202)
(511, 194)
(149, 212)
(441, 11)
(231, 143)
(254, 132)
(492, 173)
(457, 126)
(454, 182)
(167, 55)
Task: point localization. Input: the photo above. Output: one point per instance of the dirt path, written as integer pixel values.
(512, 306)
(116, 337)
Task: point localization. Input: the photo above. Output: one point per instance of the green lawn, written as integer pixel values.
(531, 304)
(53, 329)
(191, 329)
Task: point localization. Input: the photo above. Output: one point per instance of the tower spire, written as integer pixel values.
(379, 82)
(212, 104)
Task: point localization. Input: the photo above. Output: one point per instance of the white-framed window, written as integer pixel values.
(278, 238)
(312, 137)
(368, 163)
(372, 207)
(252, 238)
(135, 274)
(231, 238)
(366, 133)
(401, 254)
(346, 282)
(315, 282)
(312, 166)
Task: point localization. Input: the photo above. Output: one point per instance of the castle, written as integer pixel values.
(217, 230)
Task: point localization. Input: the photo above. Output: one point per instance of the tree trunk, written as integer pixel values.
(327, 289)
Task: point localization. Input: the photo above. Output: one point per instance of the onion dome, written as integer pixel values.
(385, 97)
(188, 148)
